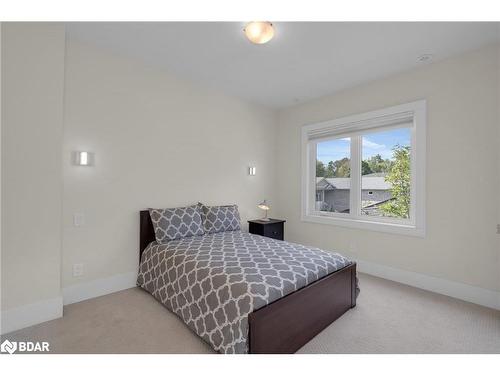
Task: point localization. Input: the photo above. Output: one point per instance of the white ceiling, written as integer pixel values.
(304, 60)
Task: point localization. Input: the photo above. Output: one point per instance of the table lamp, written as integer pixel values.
(264, 206)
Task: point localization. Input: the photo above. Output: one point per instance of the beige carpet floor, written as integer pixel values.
(389, 318)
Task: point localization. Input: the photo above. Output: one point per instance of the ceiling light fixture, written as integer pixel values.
(259, 32)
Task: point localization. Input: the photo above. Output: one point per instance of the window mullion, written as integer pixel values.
(312, 176)
(355, 192)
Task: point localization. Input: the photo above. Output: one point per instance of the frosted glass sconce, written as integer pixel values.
(251, 171)
(84, 158)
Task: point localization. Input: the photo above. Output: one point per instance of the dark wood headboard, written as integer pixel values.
(146, 232)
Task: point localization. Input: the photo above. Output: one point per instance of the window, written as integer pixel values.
(385, 168)
(367, 171)
(333, 168)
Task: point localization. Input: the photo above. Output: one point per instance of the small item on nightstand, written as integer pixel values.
(264, 206)
(272, 228)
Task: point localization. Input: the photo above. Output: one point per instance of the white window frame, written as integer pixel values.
(355, 127)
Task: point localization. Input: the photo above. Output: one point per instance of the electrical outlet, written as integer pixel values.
(79, 219)
(77, 269)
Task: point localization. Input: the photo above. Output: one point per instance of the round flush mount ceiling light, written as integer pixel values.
(259, 32)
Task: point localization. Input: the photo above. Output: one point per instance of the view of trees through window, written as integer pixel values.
(385, 170)
(337, 168)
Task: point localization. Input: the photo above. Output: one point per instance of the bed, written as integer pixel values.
(244, 293)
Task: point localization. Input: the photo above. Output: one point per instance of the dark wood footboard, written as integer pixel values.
(287, 324)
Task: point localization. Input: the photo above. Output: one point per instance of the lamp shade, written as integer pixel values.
(263, 205)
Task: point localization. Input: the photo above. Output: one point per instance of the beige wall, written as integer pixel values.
(158, 142)
(1, 226)
(1, 64)
(498, 123)
(32, 108)
(462, 161)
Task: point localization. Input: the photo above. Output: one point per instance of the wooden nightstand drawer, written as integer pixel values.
(272, 228)
(274, 231)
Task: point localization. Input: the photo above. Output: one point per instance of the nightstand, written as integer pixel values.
(273, 228)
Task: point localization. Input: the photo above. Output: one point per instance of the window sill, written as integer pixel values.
(393, 228)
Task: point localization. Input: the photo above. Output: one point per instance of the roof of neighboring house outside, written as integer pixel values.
(343, 183)
(377, 174)
(339, 183)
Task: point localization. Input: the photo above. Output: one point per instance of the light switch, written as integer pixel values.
(77, 269)
(78, 219)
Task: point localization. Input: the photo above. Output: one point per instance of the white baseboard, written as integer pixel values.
(100, 287)
(28, 315)
(469, 293)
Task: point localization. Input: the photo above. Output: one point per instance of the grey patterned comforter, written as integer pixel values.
(213, 282)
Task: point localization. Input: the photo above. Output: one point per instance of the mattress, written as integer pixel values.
(213, 282)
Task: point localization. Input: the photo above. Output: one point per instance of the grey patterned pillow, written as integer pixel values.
(220, 218)
(174, 223)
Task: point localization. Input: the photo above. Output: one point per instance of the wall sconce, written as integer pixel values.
(84, 158)
(252, 171)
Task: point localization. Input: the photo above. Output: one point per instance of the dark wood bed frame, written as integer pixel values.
(287, 324)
